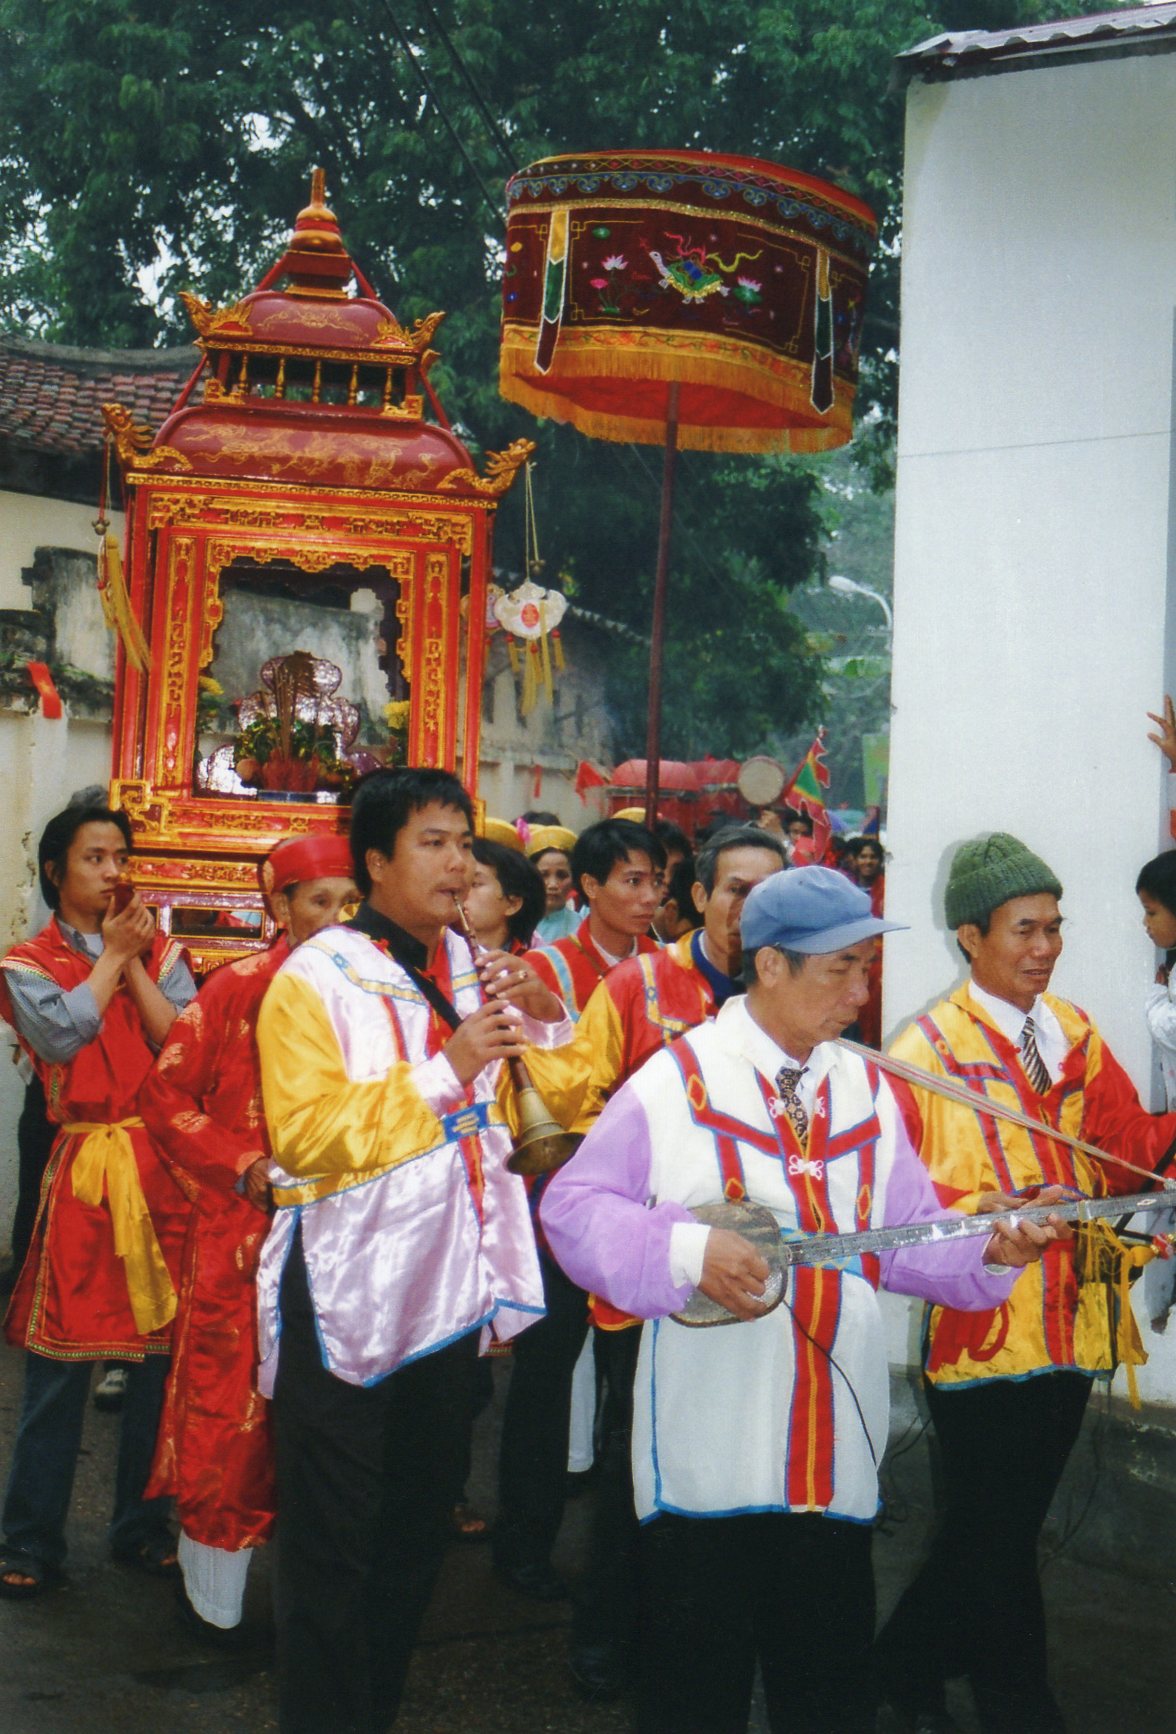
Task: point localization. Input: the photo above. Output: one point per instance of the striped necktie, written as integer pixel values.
(1032, 1064)
(787, 1083)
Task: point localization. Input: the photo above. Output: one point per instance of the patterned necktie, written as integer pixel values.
(1032, 1064)
(787, 1083)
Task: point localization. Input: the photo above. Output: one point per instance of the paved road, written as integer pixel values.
(108, 1654)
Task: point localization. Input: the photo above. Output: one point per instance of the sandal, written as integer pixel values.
(468, 1524)
(157, 1557)
(39, 1577)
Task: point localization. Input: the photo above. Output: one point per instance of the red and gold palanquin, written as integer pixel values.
(299, 451)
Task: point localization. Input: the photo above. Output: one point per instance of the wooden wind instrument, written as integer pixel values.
(541, 1145)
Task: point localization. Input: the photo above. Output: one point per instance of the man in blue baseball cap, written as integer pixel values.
(771, 1432)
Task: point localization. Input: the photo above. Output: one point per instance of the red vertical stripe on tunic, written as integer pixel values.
(815, 1305)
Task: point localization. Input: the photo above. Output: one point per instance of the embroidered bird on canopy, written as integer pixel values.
(742, 282)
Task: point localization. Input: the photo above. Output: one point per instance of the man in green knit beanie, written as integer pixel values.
(1007, 1389)
(989, 871)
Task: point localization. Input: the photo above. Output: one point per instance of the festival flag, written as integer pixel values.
(588, 776)
(43, 681)
(806, 794)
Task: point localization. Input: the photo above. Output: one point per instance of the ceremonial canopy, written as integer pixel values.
(740, 281)
(686, 299)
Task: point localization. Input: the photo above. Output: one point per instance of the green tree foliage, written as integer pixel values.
(148, 147)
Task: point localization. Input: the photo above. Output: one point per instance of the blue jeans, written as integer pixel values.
(45, 1457)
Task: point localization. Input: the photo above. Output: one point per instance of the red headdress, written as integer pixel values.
(297, 859)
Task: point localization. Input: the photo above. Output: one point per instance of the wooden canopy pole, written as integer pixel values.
(658, 631)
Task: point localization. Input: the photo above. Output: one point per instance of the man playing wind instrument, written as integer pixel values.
(401, 1242)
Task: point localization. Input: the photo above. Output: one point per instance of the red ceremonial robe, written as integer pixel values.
(574, 966)
(643, 1005)
(870, 1016)
(71, 1301)
(203, 1104)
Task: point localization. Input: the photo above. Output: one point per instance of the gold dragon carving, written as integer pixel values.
(501, 470)
(133, 442)
(390, 334)
(212, 321)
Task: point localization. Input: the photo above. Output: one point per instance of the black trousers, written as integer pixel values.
(533, 1455)
(975, 1607)
(35, 1134)
(795, 1593)
(365, 1479)
(605, 1610)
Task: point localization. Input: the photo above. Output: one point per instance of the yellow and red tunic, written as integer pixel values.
(643, 1005)
(73, 1299)
(1050, 1320)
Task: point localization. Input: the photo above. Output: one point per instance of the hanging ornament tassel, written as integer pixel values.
(555, 279)
(512, 650)
(116, 604)
(112, 590)
(822, 386)
(545, 655)
(532, 615)
(530, 678)
(557, 650)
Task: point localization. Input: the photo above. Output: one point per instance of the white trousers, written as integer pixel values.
(214, 1580)
(583, 1415)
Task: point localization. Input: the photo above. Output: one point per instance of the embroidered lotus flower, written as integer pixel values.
(599, 282)
(747, 290)
(614, 262)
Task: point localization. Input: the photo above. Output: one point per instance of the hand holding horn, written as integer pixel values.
(542, 1144)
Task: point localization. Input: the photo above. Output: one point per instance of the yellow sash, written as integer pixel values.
(1100, 1256)
(105, 1165)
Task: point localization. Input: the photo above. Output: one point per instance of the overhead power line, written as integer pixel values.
(493, 205)
(492, 125)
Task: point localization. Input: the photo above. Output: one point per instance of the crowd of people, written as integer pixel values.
(284, 1205)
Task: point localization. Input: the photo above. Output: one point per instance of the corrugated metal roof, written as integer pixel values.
(971, 49)
(51, 396)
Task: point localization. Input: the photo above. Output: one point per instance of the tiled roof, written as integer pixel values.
(51, 397)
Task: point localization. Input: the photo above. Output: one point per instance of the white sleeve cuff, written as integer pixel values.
(687, 1252)
(439, 1084)
(553, 1035)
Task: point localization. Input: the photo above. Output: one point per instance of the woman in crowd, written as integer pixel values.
(549, 848)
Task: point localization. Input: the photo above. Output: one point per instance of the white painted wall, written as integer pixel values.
(29, 521)
(1034, 547)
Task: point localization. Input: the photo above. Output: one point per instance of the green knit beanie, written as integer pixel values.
(987, 871)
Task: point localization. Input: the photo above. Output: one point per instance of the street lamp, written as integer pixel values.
(851, 587)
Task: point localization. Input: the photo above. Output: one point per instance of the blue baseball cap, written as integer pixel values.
(811, 910)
